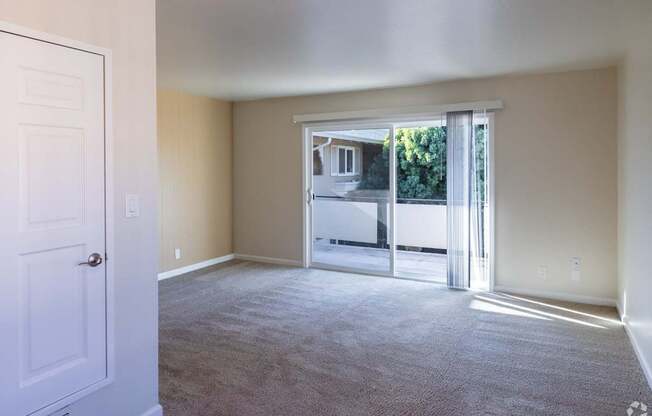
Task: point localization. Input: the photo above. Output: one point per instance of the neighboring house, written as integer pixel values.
(341, 157)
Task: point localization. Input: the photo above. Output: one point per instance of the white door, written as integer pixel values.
(52, 310)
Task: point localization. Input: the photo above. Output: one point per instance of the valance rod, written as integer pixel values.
(398, 112)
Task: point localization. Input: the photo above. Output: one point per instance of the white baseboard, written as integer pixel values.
(567, 297)
(193, 267)
(272, 260)
(154, 411)
(645, 365)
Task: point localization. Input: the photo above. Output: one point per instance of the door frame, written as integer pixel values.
(12, 29)
(307, 192)
(392, 123)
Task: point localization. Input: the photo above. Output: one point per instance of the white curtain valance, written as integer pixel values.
(398, 113)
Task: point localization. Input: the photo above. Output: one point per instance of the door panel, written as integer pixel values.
(421, 210)
(45, 279)
(41, 87)
(52, 310)
(51, 158)
(350, 211)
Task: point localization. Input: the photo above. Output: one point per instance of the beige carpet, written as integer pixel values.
(253, 339)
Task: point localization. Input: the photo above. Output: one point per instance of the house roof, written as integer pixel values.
(368, 136)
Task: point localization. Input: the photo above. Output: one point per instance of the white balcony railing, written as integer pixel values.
(417, 225)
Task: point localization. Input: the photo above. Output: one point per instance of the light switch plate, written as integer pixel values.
(177, 253)
(132, 206)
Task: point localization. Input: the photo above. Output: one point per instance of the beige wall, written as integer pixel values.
(555, 158)
(635, 184)
(195, 152)
(127, 27)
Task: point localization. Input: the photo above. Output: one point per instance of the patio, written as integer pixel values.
(409, 264)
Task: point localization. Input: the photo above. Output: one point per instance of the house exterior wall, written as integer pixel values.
(326, 184)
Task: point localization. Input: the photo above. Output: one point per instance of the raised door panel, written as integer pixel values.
(42, 87)
(51, 158)
(53, 317)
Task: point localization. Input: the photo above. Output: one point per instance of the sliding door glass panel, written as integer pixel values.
(421, 201)
(479, 205)
(350, 207)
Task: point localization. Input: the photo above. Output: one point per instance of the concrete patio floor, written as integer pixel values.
(410, 264)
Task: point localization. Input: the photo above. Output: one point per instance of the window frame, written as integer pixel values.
(335, 153)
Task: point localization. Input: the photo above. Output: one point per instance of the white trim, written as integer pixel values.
(335, 159)
(491, 181)
(110, 220)
(195, 266)
(306, 198)
(567, 297)
(109, 214)
(391, 220)
(647, 368)
(271, 260)
(411, 112)
(154, 411)
(50, 38)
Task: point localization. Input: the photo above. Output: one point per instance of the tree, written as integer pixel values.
(479, 160)
(421, 164)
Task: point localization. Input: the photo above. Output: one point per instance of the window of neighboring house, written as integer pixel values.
(344, 163)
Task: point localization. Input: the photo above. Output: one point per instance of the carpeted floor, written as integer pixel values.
(254, 339)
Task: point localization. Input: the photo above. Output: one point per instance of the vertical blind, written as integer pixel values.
(459, 135)
(467, 203)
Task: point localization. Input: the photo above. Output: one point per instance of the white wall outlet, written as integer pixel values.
(542, 272)
(177, 253)
(132, 206)
(576, 269)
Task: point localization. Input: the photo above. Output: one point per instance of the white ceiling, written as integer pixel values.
(244, 49)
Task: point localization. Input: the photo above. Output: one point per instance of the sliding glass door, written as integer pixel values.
(379, 200)
(480, 219)
(351, 199)
(421, 221)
